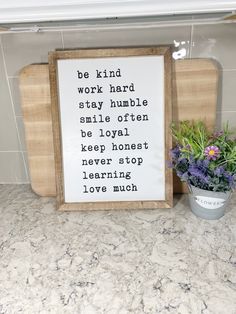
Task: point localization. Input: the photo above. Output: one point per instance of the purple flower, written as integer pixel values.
(175, 152)
(205, 163)
(231, 179)
(199, 172)
(219, 171)
(212, 152)
(217, 134)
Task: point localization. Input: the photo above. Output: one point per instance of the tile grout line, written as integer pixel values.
(191, 42)
(12, 106)
(224, 111)
(228, 70)
(10, 151)
(19, 183)
(62, 40)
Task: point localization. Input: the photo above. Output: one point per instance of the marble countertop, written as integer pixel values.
(116, 262)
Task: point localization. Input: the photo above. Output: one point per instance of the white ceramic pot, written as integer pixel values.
(208, 204)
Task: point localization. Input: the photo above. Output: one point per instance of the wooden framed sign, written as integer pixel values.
(111, 111)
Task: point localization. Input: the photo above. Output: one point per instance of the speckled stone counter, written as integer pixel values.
(116, 262)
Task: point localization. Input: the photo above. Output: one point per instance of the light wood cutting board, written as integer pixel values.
(195, 83)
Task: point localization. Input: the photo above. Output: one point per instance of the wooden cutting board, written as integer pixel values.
(195, 84)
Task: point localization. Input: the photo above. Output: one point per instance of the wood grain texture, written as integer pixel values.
(103, 53)
(56, 131)
(167, 121)
(195, 90)
(194, 97)
(195, 87)
(36, 108)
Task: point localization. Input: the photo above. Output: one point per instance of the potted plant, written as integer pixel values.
(206, 161)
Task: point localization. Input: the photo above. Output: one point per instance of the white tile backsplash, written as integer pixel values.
(8, 131)
(12, 168)
(217, 42)
(26, 48)
(21, 130)
(229, 90)
(179, 37)
(14, 86)
(225, 117)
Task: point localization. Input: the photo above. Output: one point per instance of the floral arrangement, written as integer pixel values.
(204, 159)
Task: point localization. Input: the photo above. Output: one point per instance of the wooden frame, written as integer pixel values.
(89, 54)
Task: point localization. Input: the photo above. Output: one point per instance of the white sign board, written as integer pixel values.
(112, 127)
